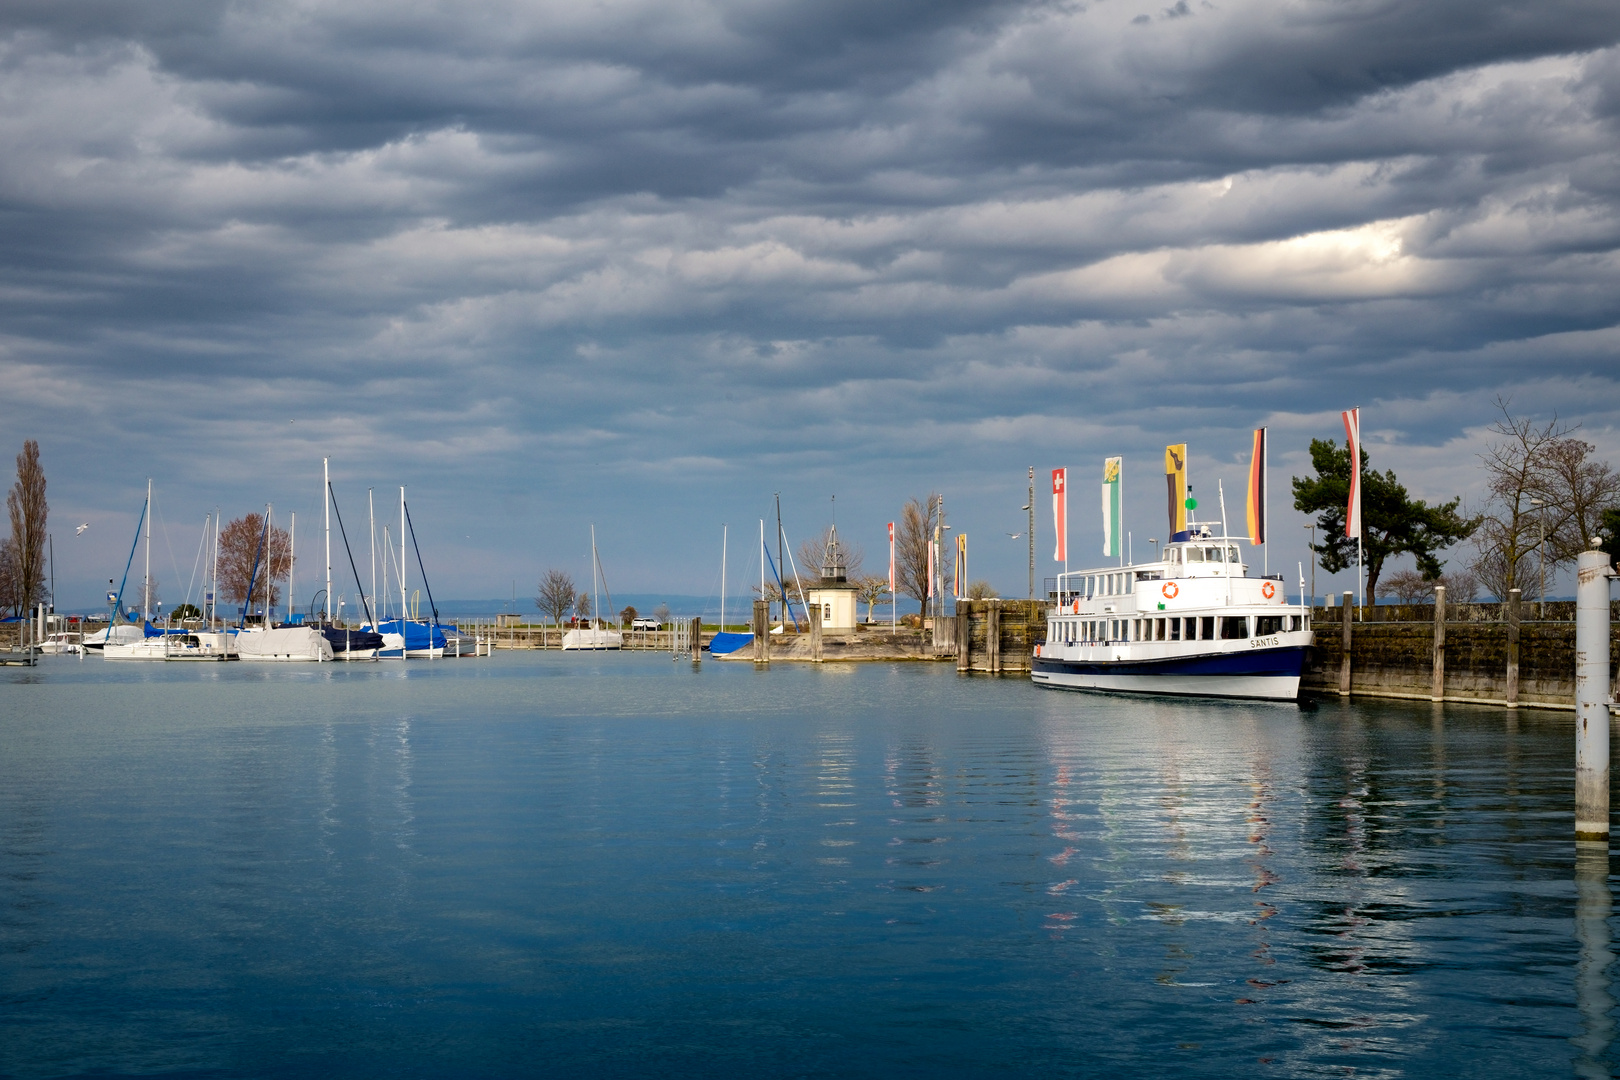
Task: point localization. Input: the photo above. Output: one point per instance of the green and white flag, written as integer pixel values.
(1110, 506)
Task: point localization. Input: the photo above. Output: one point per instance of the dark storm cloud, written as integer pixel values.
(688, 253)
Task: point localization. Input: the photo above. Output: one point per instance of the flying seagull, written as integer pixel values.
(1015, 535)
(80, 530)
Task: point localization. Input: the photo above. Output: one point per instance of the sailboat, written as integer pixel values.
(594, 637)
(724, 643)
(276, 644)
(124, 644)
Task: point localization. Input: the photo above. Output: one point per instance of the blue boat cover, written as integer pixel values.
(725, 642)
(416, 634)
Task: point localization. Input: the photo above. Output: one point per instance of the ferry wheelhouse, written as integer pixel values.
(1192, 623)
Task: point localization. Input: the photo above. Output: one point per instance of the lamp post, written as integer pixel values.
(1541, 553)
(1312, 526)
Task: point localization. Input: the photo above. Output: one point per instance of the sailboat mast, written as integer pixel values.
(404, 601)
(723, 530)
(326, 512)
(596, 601)
(146, 583)
(292, 556)
(371, 511)
(213, 605)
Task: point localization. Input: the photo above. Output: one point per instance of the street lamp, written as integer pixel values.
(1312, 526)
(1541, 553)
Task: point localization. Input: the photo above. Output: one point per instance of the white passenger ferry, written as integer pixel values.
(1192, 623)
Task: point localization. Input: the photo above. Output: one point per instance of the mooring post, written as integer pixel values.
(697, 640)
(1439, 692)
(1592, 698)
(762, 631)
(964, 636)
(1345, 611)
(1513, 649)
(992, 637)
(815, 633)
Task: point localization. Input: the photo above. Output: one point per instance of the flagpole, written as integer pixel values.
(1265, 501)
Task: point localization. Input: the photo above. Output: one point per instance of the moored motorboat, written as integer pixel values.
(63, 643)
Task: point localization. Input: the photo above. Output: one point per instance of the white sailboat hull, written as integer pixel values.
(592, 640)
(287, 645)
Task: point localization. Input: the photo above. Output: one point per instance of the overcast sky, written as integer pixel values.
(644, 263)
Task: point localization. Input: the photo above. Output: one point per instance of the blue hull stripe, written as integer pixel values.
(1287, 662)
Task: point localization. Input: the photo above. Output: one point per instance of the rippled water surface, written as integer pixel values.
(615, 865)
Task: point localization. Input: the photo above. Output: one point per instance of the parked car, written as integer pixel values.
(644, 624)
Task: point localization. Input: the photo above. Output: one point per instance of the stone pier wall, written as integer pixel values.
(1392, 653)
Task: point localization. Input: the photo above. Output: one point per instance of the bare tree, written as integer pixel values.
(1462, 586)
(871, 590)
(1409, 586)
(11, 597)
(239, 548)
(661, 613)
(1507, 538)
(915, 532)
(582, 606)
(557, 592)
(813, 555)
(26, 503)
(982, 590)
(1576, 491)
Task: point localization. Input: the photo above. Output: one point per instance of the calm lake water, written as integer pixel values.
(614, 865)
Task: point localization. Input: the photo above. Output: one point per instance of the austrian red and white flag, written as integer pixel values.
(933, 563)
(1060, 513)
(1352, 435)
(891, 556)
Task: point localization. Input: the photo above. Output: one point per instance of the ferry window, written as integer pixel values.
(1208, 628)
(1158, 629)
(1136, 629)
(1195, 554)
(1293, 622)
(1192, 629)
(1233, 627)
(1130, 583)
(1215, 554)
(1267, 624)
(1231, 555)
(1175, 629)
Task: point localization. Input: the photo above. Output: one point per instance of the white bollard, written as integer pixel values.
(1592, 698)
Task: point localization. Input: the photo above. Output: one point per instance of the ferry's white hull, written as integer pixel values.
(1263, 687)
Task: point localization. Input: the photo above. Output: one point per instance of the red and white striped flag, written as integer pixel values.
(1060, 513)
(891, 556)
(933, 563)
(1352, 434)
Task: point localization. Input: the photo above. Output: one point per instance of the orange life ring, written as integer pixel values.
(1268, 590)
(1077, 607)
(1170, 590)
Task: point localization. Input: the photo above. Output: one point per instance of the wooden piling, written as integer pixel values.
(815, 633)
(1439, 693)
(1345, 614)
(762, 631)
(964, 635)
(697, 640)
(992, 636)
(1512, 694)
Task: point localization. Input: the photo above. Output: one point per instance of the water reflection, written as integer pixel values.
(1594, 997)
